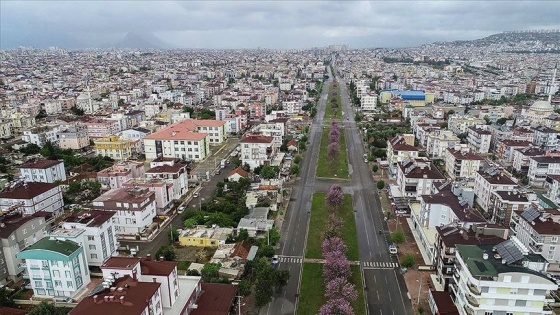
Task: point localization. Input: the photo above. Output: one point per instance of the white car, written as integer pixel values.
(181, 209)
(196, 195)
(275, 260)
(392, 249)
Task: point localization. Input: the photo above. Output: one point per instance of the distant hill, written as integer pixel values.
(141, 41)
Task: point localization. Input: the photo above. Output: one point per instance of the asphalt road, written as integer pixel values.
(206, 192)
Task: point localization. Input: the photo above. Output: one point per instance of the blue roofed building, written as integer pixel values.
(414, 98)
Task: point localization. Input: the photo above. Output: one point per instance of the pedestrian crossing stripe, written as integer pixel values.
(380, 264)
(291, 260)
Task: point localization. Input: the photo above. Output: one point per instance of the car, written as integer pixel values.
(195, 195)
(392, 249)
(366, 160)
(401, 212)
(63, 299)
(275, 260)
(181, 209)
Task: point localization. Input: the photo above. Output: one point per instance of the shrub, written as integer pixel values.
(408, 261)
(380, 184)
(398, 237)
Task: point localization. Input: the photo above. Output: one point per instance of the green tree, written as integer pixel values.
(167, 252)
(380, 184)
(6, 298)
(210, 272)
(501, 121)
(408, 260)
(188, 109)
(173, 235)
(265, 251)
(375, 168)
(268, 171)
(487, 120)
(244, 287)
(242, 235)
(297, 159)
(294, 170)
(120, 102)
(77, 111)
(273, 236)
(46, 308)
(398, 237)
(205, 113)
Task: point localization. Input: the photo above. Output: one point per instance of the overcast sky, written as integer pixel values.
(268, 24)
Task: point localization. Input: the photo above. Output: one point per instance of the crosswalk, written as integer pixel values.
(294, 260)
(379, 264)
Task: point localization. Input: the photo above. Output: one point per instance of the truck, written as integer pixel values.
(223, 163)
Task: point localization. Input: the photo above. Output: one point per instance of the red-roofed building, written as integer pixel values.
(45, 171)
(188, 139)
(32, 197)
(171, 171)
(216, 299)
(257, 150)
(237, 174)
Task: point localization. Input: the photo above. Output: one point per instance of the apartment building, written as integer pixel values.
(56, 268)
(31, 197)
(115, 147)
(504, 203)
(479, 139)
(276, 130)
(460, 123)
(162, 189)
(73, 137)
(540, 167)
(449, 236)
(368, 102)
(399, 148)
(439, 140)
(504, 149)
(136, 134)
(552, 187)
(135, 208)
(97, 234)
(41, 135)
(490, 280)
(178, 141)
(115, 176)
(130, 296)
(522, 156)
(102, 128)
(5, 129)
(539, 233)
(257, 150)
(415, 177)
(546, 138)
(44, 171)
(488, 181)
(16, 233)
(461, 163)
(173, 172)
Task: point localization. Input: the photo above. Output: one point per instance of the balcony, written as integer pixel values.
(537, 249)
(474, 290)
(468, 310)
(25, 275)
(547, 309)
(472, 301)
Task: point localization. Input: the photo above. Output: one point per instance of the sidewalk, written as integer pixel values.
(417, 240)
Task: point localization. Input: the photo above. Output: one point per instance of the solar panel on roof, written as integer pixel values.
(530, 214)
(453, 230)
(463, 202)
(99, 288)
(509, 252)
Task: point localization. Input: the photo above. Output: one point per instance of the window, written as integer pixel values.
(56, 273)
(92, 247)
(554, 239)
(93, 256)
(69, 284)
(38, 284)
(68, 274)
(507, 278)
(57, 283)
(90, 238)
(520, 302)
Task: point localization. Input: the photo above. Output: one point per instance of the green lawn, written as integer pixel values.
(312, 289)
(330, 112)
(327, 167)
(318, 224)
(356, 279)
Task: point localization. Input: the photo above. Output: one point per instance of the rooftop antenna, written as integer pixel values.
(552, 83)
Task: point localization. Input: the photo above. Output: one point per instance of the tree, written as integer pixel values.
(242, 235)
(273, 236)
(121, 102)
(297, 159)
(332, 150)
(294, 170)
(188, 109)
(339, 287)
(380, 184)
(189, 223)
(210, 272)
(501, 121)
(244, 287)
(265, 251)
(46, 308)
(374, 168)
(6, 298)
(334, 197)
(167, 252)
(173, 235)
(333, 244)
(487, 120)
(77, 111)
(268, 171)
(337, 306)
(206, 114)
(408, 261)
(336, 265)
(398, 237)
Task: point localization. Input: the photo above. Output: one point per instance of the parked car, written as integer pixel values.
(181, 209)
(392, 249)
(196, 195)
(275, 261)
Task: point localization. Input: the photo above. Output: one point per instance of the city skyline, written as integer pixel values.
(253, 24)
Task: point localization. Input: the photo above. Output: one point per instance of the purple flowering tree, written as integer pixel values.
(334, 244)
(336, 265)
(338, 306)
(333, 149)
(334, 197)
(339, 287)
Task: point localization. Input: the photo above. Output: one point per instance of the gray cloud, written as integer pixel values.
(276, 24)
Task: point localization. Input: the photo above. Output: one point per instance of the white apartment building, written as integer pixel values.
(488, 181)
(438, 141)
(546, 138)
(415, 177)
(539, 233)
(368, 102)
(5, 129)
(257, 150)
(521, 158)
(493, 282)
(292, 107)
(275, 130)
(31, 197)
(118, 174)
(171, 171)
(399, 148)
(540, 167)
(97, 232)
(479, 139)
(135, 208)
(45, 171)
(461, 163)
(41, 135)
(73, 137)
(460, 123)
(56, 268)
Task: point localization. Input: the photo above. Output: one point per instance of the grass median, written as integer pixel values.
(328, 167)
(334, 112)
(312, 289)
(318, 224)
